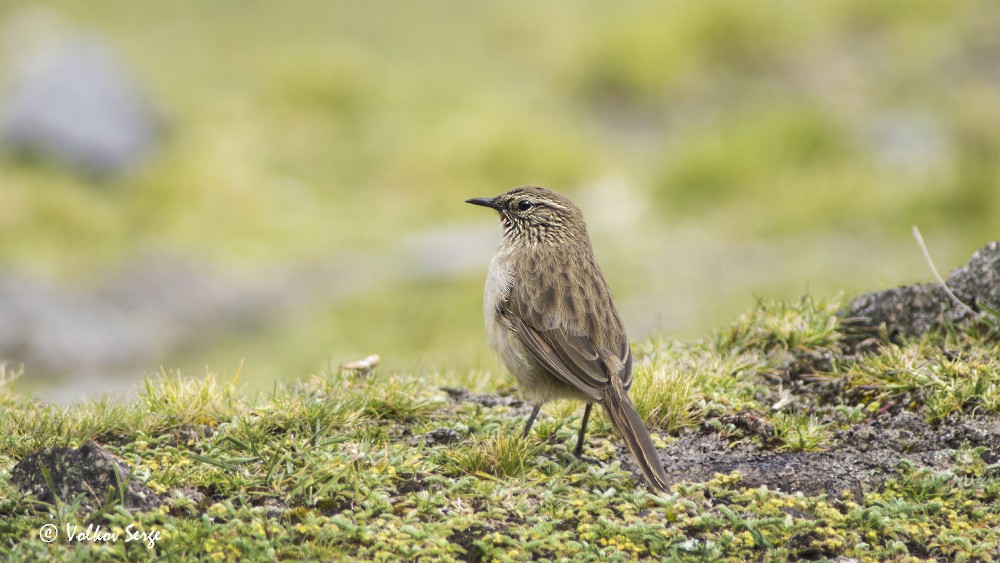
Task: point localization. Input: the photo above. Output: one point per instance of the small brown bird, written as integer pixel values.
(552, 320)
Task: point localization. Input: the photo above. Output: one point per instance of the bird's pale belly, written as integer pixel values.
(534, 383)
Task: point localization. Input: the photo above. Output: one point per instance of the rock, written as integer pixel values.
(89, 469)
(441, 436)
(903, 311)
(74, 102)
(102, 337)
(978, 282)
(915, 309)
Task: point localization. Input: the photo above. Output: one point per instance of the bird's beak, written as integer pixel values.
(485, 202)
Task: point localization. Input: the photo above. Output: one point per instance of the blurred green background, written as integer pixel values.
(317, 155)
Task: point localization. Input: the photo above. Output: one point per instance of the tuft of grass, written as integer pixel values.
(400, 399)
(664, 389)
(563, 420)
(920, 485)
(172, 401)
(44, 425)
(7, 378)
(379, 395)
(800, 433)
(674, 385)
(808, 323)
(938, 379)
(504, 454)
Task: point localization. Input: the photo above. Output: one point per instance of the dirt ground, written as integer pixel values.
(859, 461)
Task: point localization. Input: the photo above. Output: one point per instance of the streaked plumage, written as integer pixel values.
(551, 317)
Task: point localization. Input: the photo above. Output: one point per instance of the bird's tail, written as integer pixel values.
(633, 431)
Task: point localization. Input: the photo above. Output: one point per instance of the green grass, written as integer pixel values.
(504, 454)
(945, 376)
(800, 433)
(341, 465)
(675, 384)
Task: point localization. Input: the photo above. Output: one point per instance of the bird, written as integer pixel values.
(552, 320)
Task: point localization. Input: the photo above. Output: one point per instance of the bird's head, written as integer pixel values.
(530, 214)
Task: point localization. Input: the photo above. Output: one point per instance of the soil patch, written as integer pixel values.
(859, 461)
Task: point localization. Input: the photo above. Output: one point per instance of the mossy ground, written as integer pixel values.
(401, 466)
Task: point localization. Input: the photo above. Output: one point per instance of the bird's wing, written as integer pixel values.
(557, 322)
(572, 360)
(626, 353)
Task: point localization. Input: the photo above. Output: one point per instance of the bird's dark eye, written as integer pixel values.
(524, 205)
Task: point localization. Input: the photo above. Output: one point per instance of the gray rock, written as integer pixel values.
(89, 469)
(138, 315)
(75, 103)
(915, 309)
(978, 282)
(902, 311)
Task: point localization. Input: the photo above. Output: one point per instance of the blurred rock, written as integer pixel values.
(914, 143)
(148, 310)
(70, 99)
(915, 309)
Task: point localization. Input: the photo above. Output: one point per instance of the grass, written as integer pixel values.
(800, 433)
(504, 454)
(342, 465)
(676, 384)
(944, 376)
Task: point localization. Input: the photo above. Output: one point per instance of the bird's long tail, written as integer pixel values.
(629, 424)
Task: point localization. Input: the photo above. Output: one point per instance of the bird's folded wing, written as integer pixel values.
(626, 372)
(570, 358)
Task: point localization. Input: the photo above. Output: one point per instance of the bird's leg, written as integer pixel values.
(578, 451)
(531, 420)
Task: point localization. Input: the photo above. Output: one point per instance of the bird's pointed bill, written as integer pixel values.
(485, 202)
